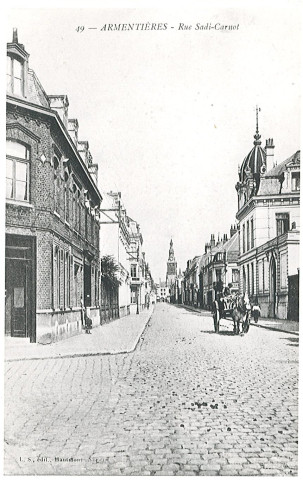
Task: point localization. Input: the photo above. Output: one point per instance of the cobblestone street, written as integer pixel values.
(187, 401)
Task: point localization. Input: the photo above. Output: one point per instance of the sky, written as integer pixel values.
(170, 114)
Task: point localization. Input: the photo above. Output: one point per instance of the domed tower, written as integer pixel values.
(171, 266)
(252, 168)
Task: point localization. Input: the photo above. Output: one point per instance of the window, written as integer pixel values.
(79, 212)
(243, 237)
(283, 270)
(218, 275)
(67, 299)
(133, 295)
(56, 278)
(252, 279)
(282, 221)
(248, 236)
(133, 270)
(235, 275)
(295, 181)
(261, 275)
(14, 77)
(248, 280)
(86, 223)
(252, 242)
(66, 197)
(17, 171)
(56, 184)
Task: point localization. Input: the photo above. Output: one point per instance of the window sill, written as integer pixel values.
(56, 214)
(19, 203)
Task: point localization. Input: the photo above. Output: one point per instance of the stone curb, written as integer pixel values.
(95, 354)
(273, 329)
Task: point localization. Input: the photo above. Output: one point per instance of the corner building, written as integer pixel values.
(52, 210)
(269, 230)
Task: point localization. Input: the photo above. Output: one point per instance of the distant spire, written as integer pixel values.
(15, 35)
(257, 136)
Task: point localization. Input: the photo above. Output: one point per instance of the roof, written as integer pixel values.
(271, 183)
(279, 169)
(254, 160)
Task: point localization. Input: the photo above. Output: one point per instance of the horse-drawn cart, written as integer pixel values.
(235, 308)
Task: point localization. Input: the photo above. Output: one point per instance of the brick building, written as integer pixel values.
(52, 209)
(269, 230)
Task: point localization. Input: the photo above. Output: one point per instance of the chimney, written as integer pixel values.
(15, 35)
(212, 240)
(93, 170)
(269, 150)
(225, 238)
(233, 230)
(83, 149)
(60, 104)
(73, 128)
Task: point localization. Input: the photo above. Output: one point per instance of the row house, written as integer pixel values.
(121, 239)
(163, 292)
(140, 278)
(191, 292)
(176, 289)
(52, 264)
(219, 267)
(115, 242)
(269, 230)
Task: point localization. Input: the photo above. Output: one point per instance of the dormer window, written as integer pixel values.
(295, 181)
(15, 83)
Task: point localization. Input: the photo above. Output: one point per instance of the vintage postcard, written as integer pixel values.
(152, 237)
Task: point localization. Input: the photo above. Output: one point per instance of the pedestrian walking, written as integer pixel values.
(256, 310)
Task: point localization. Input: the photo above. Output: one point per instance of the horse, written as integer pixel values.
(240, 313)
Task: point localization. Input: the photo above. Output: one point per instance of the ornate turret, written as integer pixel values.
(255, 162)
(252, 168)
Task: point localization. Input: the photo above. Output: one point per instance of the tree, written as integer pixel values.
(109, 270)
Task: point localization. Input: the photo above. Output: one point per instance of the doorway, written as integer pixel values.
(20, 318)
(87, 284)
(272, 288)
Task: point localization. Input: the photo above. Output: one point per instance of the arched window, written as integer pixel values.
(17, 171)
(66, 197)
(56, 184)
(14, 75)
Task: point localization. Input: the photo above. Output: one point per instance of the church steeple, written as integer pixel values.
(171, 254)
(171, 265)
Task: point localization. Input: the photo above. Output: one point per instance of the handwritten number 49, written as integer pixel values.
(80, 29)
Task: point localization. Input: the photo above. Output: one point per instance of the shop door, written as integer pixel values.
(87, 285)
(16, 301)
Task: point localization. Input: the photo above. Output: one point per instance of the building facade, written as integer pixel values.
(219, 267)
(191, 281)
(115, 241)
(269, 230)
(52, 259)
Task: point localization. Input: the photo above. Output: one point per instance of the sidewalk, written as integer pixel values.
(285, 326)
(119, 336)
